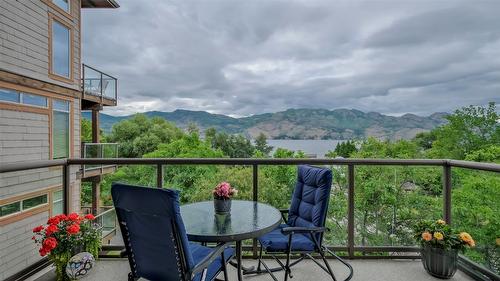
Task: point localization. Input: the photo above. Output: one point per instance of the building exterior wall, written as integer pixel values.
(24, 38)
(26, 132)
(24, 136)
(17, 250)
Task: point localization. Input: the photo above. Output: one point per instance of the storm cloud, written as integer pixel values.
(247, 57)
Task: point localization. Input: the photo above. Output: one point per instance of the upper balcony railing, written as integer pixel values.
(98, 84)
(352, 169)
(98, 150)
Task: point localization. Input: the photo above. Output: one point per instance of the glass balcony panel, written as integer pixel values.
(99, 84)
(475, 208)
(92, 81)
(389, 201)
(109, 87)
(99, 150)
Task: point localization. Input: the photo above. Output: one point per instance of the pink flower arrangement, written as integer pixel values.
(224, 191)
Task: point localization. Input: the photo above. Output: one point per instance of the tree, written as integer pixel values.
(487, 154)
(192, 128)
(261, 144)
(470, 128)
(343, 149)
(140, 134)
(234, 146)
(86, 131)
(210, 134)
(425, 139)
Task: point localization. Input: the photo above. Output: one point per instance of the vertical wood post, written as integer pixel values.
(66, 181)
(96, 196)
(95, 125)
(350, 211)
(159, 176)
(447, 193)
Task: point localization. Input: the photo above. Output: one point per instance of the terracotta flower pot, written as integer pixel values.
(438, 262)
(222, 206)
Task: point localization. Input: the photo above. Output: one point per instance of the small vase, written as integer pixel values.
(222, 223)
(222, 206)
(438, 262)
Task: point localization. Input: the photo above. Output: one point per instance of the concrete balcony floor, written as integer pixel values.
(373, 270)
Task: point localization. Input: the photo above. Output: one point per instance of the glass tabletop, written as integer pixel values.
(248, 219)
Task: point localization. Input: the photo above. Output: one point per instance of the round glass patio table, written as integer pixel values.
(247, 220)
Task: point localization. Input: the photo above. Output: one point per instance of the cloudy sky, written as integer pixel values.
(248, 57)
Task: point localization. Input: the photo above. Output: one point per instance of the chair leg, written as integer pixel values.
(330, 271)
(224, 267)
(288, 272)
(351, 271)
(260, 259)
(322, 254)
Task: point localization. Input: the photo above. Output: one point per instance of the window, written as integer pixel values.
(60, 129)
(61, 49)
(11, 208)
(9, 95)
(57, 202)
(35, 201)
(23, 205)
(63, 4)
(23, 98)
(33, 100)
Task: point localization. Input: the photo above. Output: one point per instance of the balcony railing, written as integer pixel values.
(351, 249)
(99, 84)
(98, 150)
(107, 222)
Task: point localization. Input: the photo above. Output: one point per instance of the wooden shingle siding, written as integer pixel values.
(24, 137)
(24, 39)
(17, 250)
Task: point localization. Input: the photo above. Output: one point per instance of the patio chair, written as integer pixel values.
(303, 230)
(155, 238)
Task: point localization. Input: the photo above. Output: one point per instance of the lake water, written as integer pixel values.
(314, 147)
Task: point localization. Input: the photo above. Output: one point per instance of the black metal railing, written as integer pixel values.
(466, 264)
(98, 83)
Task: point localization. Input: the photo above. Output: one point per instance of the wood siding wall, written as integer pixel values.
(25, 132)
(25, 136)
(24, 39)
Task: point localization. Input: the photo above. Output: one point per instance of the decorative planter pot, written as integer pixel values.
(222, 206)
(438, 262)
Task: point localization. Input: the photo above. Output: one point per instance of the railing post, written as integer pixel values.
(255, 182)
(255, 197)
(100, 86)
(447, 193)
(66, 181)
(159, 175)
(350, 210)
(101, 151)
(82, 81)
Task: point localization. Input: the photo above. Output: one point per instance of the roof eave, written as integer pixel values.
(99, 4)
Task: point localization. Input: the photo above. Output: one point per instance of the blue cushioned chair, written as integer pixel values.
(302, 232)
(155, 238)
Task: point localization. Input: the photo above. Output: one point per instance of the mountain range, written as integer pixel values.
(299, 123)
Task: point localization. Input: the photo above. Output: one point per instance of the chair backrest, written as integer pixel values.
(153, 231)
(310, 198)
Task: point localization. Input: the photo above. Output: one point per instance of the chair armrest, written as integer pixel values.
(296, 229)
(205, 262)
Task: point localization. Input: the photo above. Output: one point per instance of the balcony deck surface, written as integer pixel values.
(373, 270)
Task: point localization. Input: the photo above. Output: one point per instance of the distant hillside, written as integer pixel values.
(300, 123)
